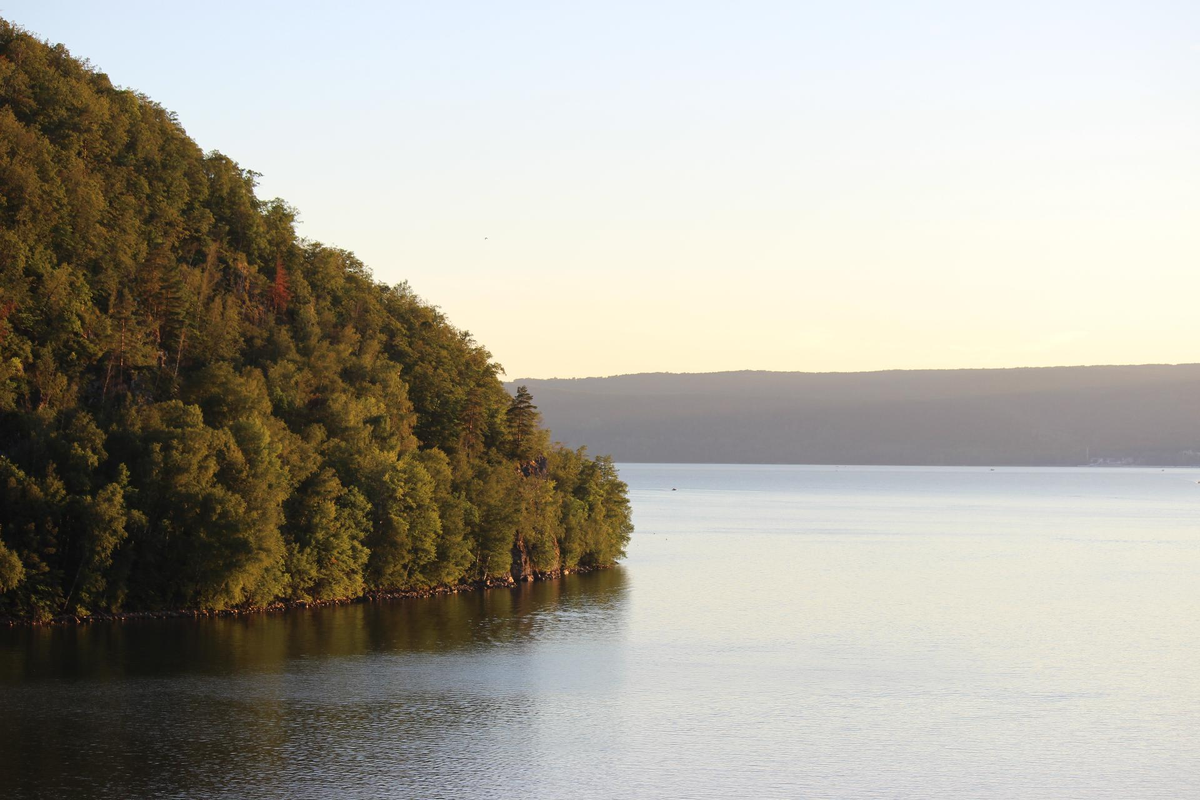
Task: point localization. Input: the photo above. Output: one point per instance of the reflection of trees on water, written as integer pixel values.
(290, 704)
(230, 645)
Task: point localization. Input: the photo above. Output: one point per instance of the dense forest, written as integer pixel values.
(200, 410)
(1034, 416)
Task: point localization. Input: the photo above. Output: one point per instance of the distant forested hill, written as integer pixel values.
(1055, 415)
(199, 410)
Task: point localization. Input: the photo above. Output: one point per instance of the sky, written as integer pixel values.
(607, 188)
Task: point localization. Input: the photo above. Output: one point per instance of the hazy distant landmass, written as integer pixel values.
(1038, 416)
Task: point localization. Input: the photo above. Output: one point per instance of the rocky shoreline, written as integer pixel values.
(376, 596)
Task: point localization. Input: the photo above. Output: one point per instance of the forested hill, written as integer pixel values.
(199, 410)
(1056, 415)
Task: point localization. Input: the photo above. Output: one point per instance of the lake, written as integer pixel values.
(776, 631)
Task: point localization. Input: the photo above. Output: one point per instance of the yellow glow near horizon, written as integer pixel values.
(621, 188)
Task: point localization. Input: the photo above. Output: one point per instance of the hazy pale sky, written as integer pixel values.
(602, 188)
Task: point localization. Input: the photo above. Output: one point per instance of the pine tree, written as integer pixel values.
(523, 418)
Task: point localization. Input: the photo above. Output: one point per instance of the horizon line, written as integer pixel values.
(857, 372)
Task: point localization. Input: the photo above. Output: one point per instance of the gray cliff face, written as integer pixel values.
(522, 567)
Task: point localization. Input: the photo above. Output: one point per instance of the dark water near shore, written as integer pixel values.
(775, 632)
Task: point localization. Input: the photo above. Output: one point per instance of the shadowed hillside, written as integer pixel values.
(1053, 415)
(201, 410)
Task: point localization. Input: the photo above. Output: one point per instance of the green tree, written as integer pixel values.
(12, 571)
(523, 419)
(327, 524)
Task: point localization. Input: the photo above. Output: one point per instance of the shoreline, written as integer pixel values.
(374, 596)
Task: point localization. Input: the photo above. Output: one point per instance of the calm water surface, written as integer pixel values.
(775, 632)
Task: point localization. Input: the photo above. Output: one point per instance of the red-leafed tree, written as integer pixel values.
(6, 308)
(280, 293)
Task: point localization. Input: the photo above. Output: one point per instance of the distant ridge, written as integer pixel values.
(1145, 414)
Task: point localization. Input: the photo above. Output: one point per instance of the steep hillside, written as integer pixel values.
(200, 410)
